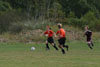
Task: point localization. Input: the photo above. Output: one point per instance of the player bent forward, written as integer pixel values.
(50, 39)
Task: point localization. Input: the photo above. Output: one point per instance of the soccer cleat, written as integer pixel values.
(55, 47)
(90, 46)
(63, 51)
(67, 47)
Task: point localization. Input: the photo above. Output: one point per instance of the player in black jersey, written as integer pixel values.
(88, 35)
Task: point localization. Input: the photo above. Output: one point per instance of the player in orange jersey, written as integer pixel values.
(62, 38)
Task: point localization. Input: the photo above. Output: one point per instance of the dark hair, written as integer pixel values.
(50, 28)
(59, 25)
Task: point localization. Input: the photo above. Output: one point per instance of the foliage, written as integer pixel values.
(80, 7)
(35, 14)
(4, 6)
(8, 19)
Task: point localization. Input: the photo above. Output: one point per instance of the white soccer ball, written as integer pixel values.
(46, 35)
(32, 48)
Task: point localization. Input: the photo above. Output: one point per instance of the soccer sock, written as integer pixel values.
(47, 46)
(63, 51)
(66, 47)
(90, 46)
(55, 47)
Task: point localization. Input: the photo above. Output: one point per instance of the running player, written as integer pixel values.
(88, 34)
(50, 39)
(61, 38)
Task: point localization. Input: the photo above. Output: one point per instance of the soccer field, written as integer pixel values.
(20, 55)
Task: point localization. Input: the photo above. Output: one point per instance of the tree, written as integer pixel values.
(4, 6)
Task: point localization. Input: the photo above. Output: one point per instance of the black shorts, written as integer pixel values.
(88, 39)
(50, 40)
(62, 41)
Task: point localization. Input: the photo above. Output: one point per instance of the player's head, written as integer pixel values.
(49, 28)
(59, 25)
(86, 27)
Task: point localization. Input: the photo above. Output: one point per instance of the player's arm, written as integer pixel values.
(55, 35)
(58, 34)
(43, 33)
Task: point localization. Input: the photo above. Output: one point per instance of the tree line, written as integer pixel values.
(76, 13)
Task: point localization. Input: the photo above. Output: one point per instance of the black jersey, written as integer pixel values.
(88, 33)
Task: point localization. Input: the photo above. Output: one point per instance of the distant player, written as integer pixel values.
(50, 39)
(88, 35)
(62, 38)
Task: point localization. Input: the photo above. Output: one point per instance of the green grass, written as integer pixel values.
(20, 55)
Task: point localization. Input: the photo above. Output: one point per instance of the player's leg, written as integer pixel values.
(90, 40)
(54, 45)
(51, 41)
(66, 46)
(47, 46)
(61, 46)
(89, 45)
(92, 43)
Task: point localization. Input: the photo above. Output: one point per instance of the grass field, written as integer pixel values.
(20, 55)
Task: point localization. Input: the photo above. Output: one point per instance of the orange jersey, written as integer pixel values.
(61, 33)
(49, 32)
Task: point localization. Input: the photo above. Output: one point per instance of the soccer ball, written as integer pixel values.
(46, 35)
(32, 48)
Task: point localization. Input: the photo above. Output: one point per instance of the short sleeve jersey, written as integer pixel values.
(61, 33)
(88, 33)
(49, 32)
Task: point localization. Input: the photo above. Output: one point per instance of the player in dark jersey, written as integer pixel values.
(50, 39)
(62, 38)
(88, 35)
